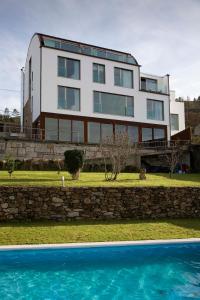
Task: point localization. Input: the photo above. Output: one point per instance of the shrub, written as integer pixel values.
(10, 164)
(74, 162)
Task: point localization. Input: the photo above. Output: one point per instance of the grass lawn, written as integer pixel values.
(51, 178)
(93, 231)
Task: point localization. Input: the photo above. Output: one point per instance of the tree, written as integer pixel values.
(6, 112)
(115, 151)
(10, 164)
(173, 157)
(15, 113)
(74, 162)
(179, 99)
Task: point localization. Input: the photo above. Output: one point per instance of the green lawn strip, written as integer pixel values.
(51, 178)
(96, 231)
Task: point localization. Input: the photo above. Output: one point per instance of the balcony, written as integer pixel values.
(154, 84)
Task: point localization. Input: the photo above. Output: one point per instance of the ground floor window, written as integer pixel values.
(159, 133)
(64, 130)
(79, 131)
(147, 134)
(51, 129)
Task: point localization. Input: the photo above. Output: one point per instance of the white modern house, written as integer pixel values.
(81, 93)
(177, 114)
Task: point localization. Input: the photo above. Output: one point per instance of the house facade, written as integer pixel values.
(80, 93)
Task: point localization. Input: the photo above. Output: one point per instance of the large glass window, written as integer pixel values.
(68, 98)
(65, 130)
(133, 134)
(155, 110)
(68, 67)
(147, 134)
(113, 104)
(123, 77)
(99, 73)
(51, 129)
(77, 131)
(94, 134)
(106, 131)
(174, 119)
(120, 129)
(159, 133)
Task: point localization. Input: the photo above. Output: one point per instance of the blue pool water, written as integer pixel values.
(147, 272)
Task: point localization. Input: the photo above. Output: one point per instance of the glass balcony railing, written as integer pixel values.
(89, 50)
(154, 85)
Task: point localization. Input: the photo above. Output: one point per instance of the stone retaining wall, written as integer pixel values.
(24, 150)
(39, 203)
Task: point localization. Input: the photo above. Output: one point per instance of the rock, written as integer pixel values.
(4, 205)
(57, 200)
(73, 214)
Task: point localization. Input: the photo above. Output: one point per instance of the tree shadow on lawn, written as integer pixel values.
(24, 180)
(181, 177)
(193, 224)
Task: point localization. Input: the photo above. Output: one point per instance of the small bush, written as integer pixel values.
(74, 162)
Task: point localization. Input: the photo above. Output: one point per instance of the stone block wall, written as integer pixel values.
(25, 150)
(55, 203)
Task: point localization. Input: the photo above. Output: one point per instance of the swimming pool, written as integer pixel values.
(139, 272)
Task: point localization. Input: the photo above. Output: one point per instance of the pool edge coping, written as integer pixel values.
(98, 244)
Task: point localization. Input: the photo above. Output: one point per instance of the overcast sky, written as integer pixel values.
(163, 35)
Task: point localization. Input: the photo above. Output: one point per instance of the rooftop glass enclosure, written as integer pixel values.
(89, 50)
(153, 83)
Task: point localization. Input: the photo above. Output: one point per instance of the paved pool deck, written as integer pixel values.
(98, 244)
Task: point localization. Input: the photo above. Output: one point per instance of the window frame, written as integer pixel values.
(102, 65)
(68, 58)
(100, 104)
(132, 79)
(156, 101)
(66, 87)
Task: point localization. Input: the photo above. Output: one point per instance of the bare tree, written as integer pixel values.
(114, 151)
(174, 156)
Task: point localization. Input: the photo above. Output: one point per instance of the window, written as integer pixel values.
(113, 104)
(155, 110)
(106, 131)
(89, 50)
(147, 134)
(123, 77)
(120, 129)
(77, 131)
(68, 98)
(69, 68)
(174, 119)
(65, 130)
(99, 73)
(94, 134)
(159, 133)
(148, 84)
(133, 134)
(51, 129)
